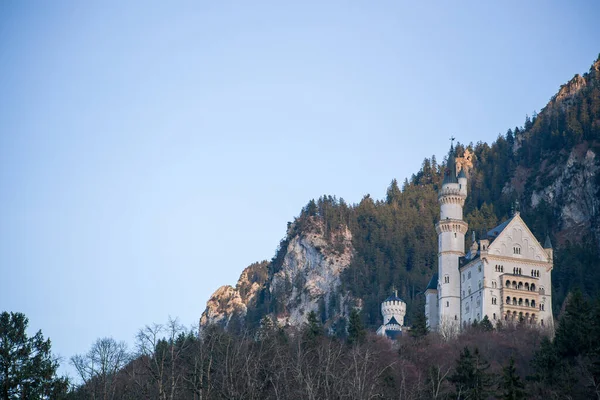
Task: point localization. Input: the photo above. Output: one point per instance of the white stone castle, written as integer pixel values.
(393, 310)
(504, 276)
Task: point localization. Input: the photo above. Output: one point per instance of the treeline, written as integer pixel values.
(515, 361)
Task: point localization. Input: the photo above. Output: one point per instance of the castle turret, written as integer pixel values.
(462, 181)
(451, 231)
(393, 310)
(393, 307)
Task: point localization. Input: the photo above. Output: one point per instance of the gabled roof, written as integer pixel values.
(393, 321)
(494, 233)
(499, 246)
(433, 283)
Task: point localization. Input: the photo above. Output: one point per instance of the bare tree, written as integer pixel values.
(98, 368)
(161, 349)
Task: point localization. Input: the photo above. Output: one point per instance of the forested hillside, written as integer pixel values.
(550, 166)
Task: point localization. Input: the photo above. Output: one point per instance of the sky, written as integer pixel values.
(149, 151)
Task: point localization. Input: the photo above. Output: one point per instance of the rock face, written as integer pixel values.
(310, 273)
(574, 190)
(307, 280)
(227, 301)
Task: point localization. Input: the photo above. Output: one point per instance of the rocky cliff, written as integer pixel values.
(307, 280)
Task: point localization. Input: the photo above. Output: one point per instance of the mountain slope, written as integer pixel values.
(337, 256)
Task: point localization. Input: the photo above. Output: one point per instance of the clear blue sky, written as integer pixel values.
(150, 151)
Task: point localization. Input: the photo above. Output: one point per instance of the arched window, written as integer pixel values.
(526, 286)
(532, 303)
(526, 302)
(494, 316)
(514, 284)
(514, 301)
(532, 288)
(447, 304)
(520, 287)
(508, 300)
(507, 285)
(520, 302)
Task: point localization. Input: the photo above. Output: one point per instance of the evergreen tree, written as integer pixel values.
(512, 386)
(356, 330)
(486, 324)
(470, 377)
(575, 327)
(313, 328)
(27, 368)
(419, 329)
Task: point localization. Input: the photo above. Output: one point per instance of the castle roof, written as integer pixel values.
(494, 233)
(462, 174)
(393, 335)
(547, 243)
(450, 173)
(433, 282)
(393, 298)
(392, 321)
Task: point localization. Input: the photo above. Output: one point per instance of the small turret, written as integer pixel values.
(393, 307)
(548, 247)
(462, 181)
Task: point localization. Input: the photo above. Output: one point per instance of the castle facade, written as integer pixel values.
(504, 276)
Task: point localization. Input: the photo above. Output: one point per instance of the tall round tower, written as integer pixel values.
(451, 230)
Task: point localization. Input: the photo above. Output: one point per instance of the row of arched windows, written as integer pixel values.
(514, 316)
(535, 273)
(520, 286)
(499, 268)
(517, 271)
(520, 302)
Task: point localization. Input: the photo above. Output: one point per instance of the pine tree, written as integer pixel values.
(470, 377)
(486, 324)
(420, 328)
(356, 330)
(27, 368)
(312, 328)
(511, 385)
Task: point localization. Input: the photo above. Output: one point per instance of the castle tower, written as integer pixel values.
(451, 230)
(393, 310)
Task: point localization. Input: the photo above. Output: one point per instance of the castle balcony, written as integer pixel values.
(450, 195)
(452, 225)
(516, 314)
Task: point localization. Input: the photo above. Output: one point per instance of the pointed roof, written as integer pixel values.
(499, 233)
(494, 233)
(462, 174)
(450, 173)
(433, 282)
(393, 298)
(547, 243)
(393, 321)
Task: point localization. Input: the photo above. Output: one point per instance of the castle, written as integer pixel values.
(504, 276)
